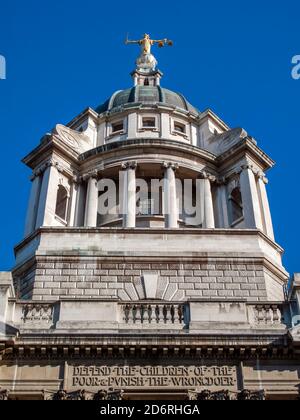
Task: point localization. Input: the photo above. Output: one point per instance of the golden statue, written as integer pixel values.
(146, 43)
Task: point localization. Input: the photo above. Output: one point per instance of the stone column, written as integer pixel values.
(48, 193)
(208, 208)
(91, 206)
(170, 197)
(33, 204)
(251, 206)
(129, 195)
(75, 188)
(80, 201)
(266, 213)
(222, 201)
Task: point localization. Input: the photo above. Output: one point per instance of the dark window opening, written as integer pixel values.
(118, 126)
(179, 127)
(61, 202)
(236, 205)
(149, 122)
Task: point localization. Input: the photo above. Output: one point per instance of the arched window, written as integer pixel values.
(146, 82)
(236, 205)
(61, 202)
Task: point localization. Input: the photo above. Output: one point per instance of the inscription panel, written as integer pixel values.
(153, 377)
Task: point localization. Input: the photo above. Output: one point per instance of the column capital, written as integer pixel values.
(171, 165)
(77, 179)
(92, 174)
(246, 166)
(55, 164)
(222, 180)
(36, 173)
(206, 175)
(129, 165)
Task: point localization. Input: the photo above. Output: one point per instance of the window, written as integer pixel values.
(236, 205)
(61, 202)
(117, 126)
(149, 122)
(179, 127)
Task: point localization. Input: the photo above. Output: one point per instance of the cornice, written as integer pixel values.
(87, 112)
(44, 150)
(59, 345)
(248, 146)
(138, 107)
(148, 142)
(272, 266)
(209, 113)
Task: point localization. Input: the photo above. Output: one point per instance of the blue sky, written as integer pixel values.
(231, 56)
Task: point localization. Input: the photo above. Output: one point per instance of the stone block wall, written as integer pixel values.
(52, 278)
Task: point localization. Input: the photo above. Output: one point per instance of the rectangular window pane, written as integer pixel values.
(119, 126)
(179, 127)
(148, 122)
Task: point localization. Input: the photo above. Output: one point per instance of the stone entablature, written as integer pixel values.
(82, 377)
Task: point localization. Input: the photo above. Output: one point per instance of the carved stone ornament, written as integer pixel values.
(226, 395)
(251, 395)
(3, 394)
(80, 142)
(82, 395)
(129, 165)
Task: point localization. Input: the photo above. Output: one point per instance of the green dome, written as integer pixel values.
(146, 95)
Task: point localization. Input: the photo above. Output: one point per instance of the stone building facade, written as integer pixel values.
(148, 268)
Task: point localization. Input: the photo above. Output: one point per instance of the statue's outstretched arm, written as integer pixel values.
(127, 41)
(162, 42)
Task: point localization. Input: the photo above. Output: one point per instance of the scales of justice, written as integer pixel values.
(146, 62)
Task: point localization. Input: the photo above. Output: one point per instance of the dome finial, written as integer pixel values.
(146, 62)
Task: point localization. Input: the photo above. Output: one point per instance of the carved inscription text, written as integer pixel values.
(218, 377)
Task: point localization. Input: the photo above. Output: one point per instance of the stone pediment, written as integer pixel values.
(219, 143)
(79, 142)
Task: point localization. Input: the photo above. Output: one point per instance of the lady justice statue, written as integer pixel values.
(146, 62)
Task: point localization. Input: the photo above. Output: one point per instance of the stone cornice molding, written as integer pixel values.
(246, 146)
(127, 109)
(125, 146)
